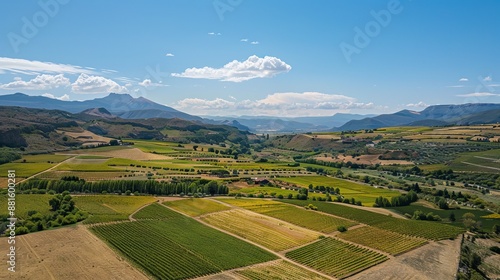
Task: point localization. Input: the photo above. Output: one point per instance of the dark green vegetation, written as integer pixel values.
(62, 211)
(177, 247)
(126, 187)
(336, 258)
(424, 229)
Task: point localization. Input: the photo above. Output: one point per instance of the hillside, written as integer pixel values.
(38, 130)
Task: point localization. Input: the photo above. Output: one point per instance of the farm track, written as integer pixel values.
(278, 254)
(47, 170)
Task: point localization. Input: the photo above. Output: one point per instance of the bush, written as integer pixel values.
(495, 249)
(342, 228)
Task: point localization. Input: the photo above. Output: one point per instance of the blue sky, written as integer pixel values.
(241, 57)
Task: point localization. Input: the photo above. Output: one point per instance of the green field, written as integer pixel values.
(298, 216)
(155, 211)
(486, 161)
(424, 229)
(383, 240)
(44, 158)
(155, 146)
(279, 269)
(180, 247)
(486, 223)
(24, 170)
(364, 193)
(196, 206)
(252, 226)
(336, 258)
(107, 208)
(27, 202)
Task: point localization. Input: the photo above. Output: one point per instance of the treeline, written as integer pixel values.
(7, 155)
(152, 187)
(396, 201)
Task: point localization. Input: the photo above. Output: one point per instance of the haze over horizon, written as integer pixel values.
(232, 58)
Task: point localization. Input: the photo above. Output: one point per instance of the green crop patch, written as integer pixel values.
(155, 211)
(107, 208)
(27, 202)
(179, 248)
(336, 258)
(196, 206)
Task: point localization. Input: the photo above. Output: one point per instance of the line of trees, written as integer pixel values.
(400, 200)
(208, 187)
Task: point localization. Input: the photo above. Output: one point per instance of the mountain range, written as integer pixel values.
(437, 115)
(125, 106)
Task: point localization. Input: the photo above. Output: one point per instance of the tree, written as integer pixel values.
(195, 147)
(469, 221)
(114, 142)
(452, 217)
(54, 203)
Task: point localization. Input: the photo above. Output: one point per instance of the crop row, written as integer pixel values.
(305, 218)
(155, 212)
(179, 247)
(387, 241)
(433, 231)
(336, 258)
(277, 270)
(260, 229)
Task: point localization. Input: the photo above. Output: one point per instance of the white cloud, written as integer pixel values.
(40, 82)
(96, 84)
(169, 54)
(277, 104)
(487, 79)
(214, 34)
(235, 71)
(255, 43)
(478, 94)
(244, 40)
(457, 86)
(463, 80)
(64, 97)
(109, 71)
(417, 105)
(33, 67)
(148, 83)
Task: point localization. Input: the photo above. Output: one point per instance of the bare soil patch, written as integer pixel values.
(66, 253)
(86, 137)
(436, 260)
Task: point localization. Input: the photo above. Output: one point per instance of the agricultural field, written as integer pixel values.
(155, 211)
(364, 193)
(252, 226)
(485, 161)
(279, 269)
(180, 247)
(107, 208)
(487, 223)
(27, 202)
(336, 258)
(196, 206)
(24, 170)
(309, 219)
(423, 229)
(383, 240)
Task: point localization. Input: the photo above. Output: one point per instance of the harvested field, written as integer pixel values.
(436, 260)
(66, 253)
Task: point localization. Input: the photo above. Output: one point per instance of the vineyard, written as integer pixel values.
(387, 241)
(336, 258)
(301, 217)
(180, 247)
(424, 229)
(155, 212)
(279, 269)
(278, 235)
(195, 207)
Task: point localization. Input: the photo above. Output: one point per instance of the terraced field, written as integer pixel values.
(196, 206)
(336, 258)
(279, 269)
(180, 247)
(252, 226)
(383, 240)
